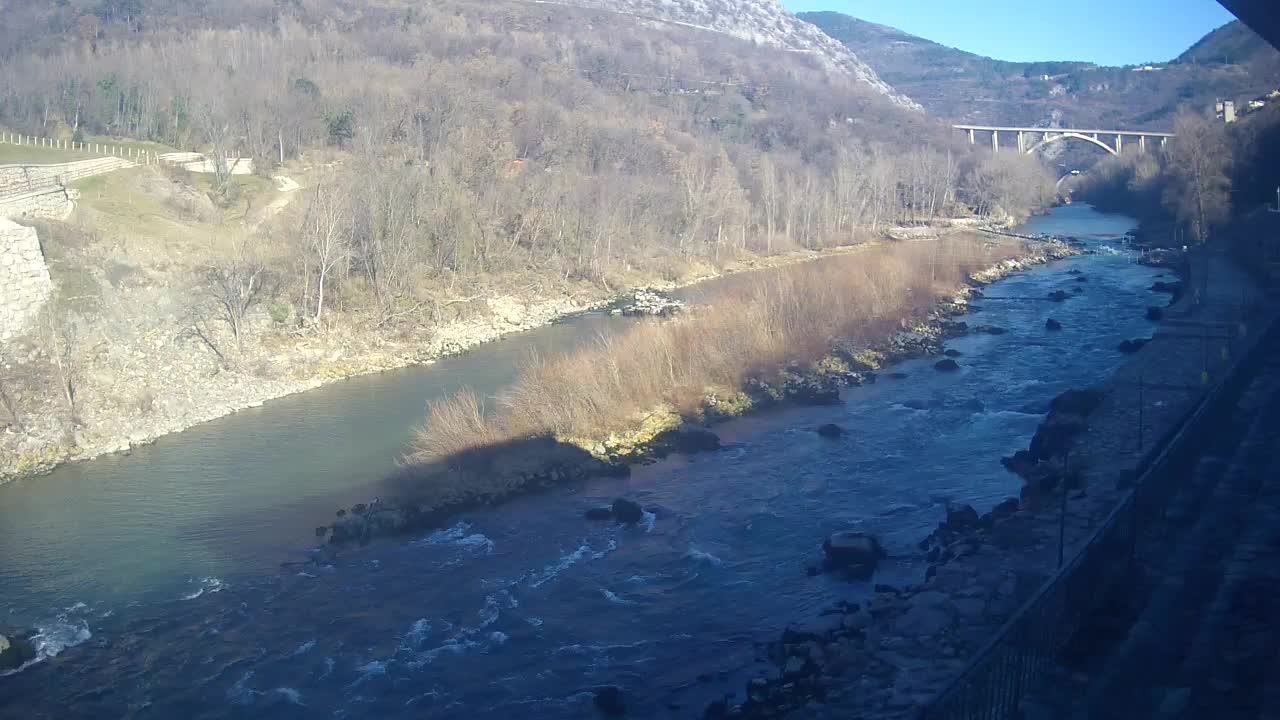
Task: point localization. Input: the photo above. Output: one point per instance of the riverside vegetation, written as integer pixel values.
(796, 334)
(832, 313)
(467, 169)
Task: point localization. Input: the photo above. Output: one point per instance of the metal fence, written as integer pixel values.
(1030, 643)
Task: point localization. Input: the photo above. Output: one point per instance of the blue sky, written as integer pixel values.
(1108, 32)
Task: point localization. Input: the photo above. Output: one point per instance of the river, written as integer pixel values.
(157, 583)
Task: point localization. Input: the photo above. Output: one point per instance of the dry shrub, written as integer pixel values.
(762, 323)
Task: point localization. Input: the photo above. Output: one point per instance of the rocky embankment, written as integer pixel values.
(495, 474)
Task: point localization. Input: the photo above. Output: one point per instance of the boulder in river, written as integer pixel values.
(1020, 463)
(608, 700)
(1052, 324)
(626, 511)
(1081, 278)
(990, 330)
(599, 513)
(947, 365)
(855, 551)
(15, 649)
(961, 516)
(693, 439)
(1054, 436)
(830, 430)
(647, 302)
(952, 353)
(1155, 314)
(1128, 347)
(1077, 402)
(1059, 295)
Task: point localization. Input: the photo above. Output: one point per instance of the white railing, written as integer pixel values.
(140, 156)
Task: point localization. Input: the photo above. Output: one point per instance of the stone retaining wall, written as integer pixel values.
(24, 279)
(52, 204)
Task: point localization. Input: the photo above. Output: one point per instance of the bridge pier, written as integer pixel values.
(1119, 144)
(1142, 143)
(995, 141)
(971, 142)
(1022, 143)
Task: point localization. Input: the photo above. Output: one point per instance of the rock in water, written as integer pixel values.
(1053, 437)
(15, 650)
(1052, 324)
(608, 700)
(691, 439)
(961, 516)
(947, 365)
(1128, 347)
(855, 551)
(952, 353)
(1059, 295)
(1155, 314)
(830, 430)
(626, 511)
(1077, 402)
(599, 513)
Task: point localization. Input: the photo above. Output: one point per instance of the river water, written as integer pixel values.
(157, 583)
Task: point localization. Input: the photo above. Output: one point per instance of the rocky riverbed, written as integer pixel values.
(889, 657)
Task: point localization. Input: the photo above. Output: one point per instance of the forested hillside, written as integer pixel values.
(450, 153)
(1230, 63)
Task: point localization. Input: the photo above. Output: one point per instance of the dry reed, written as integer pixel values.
(763, 323)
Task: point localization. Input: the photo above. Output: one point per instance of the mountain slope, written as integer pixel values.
(1232, 62)
(1231, 44)
(761, 21)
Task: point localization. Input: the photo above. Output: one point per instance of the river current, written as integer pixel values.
(157, 583)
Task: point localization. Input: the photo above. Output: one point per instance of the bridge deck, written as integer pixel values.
(1125, 133)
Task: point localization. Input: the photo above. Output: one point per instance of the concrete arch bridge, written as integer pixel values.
(1029, 140)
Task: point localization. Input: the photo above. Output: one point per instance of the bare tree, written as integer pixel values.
(1199, 158)
(325, 239)
(61, 338)
(235, 284)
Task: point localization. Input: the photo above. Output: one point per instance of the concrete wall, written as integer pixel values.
(24, 279)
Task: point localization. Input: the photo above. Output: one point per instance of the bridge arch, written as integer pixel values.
(1074, 136)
